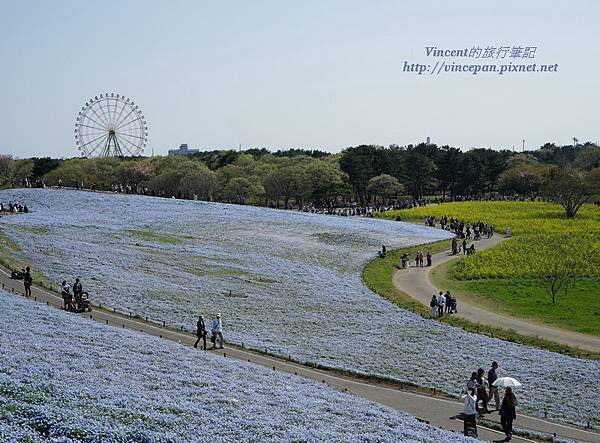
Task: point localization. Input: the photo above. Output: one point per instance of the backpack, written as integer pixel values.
(433, 303)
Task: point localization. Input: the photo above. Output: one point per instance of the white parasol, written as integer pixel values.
(504, 382)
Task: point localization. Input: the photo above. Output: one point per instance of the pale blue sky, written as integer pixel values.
(312, 74)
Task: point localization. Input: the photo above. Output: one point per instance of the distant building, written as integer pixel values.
(183, 150)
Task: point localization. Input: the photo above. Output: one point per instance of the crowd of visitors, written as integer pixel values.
(216, 331)
(28, 183)
(354, 209)
(13, 208)
(462, 229)
(118, 188)
(478, 393)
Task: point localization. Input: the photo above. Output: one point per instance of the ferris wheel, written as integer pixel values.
(111, 125)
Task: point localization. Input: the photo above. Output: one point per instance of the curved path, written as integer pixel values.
(416, 283)
(435, 410)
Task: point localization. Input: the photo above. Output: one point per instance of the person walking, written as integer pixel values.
(448, 298)
(433, 305)
(441, 302)
(77, 290)
(217, 331)
(27, 282)
(428, 258)
(482, 396)
(508, 412)
(200, 332)
(66, 294)
(469, 413)
(404, 260)
(493, 390)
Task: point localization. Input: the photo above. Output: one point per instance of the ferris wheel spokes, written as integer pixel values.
(110, 125)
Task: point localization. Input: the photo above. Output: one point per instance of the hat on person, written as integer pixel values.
(218, 315)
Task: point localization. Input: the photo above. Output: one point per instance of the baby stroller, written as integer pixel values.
(452, 306)
(83, 304)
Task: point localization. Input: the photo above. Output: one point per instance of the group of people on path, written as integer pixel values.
(72, 301)
(441, 304)
(14, 208)
(420, 260)
(28, 183)
(457, 248)
(477, 395)
(462, 229)
(216, 330)
(353, 209)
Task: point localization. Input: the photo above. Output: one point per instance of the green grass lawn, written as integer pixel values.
(578, 310)
(378, 273)
(503, 278)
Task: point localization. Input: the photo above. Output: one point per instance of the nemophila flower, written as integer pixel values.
(284, 281)
(67, 379)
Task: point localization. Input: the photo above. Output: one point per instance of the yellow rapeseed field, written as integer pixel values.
(541, 233)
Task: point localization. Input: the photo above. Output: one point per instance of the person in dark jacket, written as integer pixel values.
(492, 376)
(200, 332)
(27, 281)
(77, 290)
(508, 412)
(482, 395)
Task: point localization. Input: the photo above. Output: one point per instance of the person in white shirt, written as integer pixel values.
(470, 413)
(66, 294)
(441, 303)
(217, 331)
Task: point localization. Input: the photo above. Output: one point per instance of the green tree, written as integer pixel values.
(361, 164)
(43, 165)
(524, 179)
(134, 172)
(239, 189)
(588, 157)
(202, 182)
(385, 187)
(7, 167)
(420, 177)
(559, 274)
(572, 188)
(22, 169)
(284, 183)
(322, 177)
(448, 163)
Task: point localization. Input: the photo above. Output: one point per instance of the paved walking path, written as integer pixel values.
(416, 283)
(435, 410)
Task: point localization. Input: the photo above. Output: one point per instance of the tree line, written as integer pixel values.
(365, 174)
